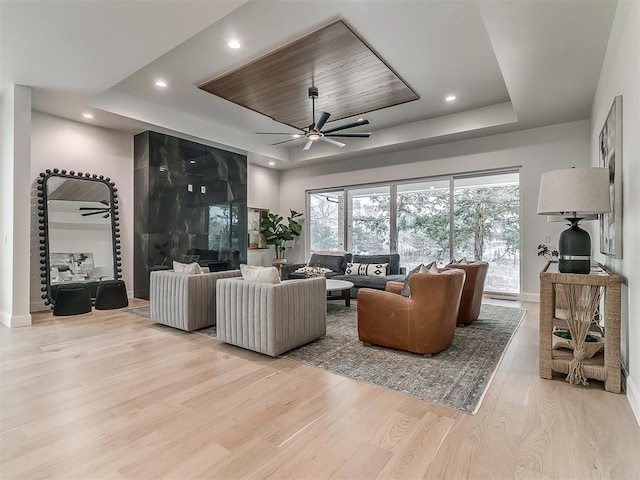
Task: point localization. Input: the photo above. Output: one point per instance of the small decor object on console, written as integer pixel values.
(592, 343)
(543, 251)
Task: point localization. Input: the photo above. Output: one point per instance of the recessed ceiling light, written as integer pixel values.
(192, 162)
(161, 83)
(450, 98)
(273, 163)
(295, 135)
(87, 115)
(234, 44)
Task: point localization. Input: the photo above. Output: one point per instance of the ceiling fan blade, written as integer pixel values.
(349, 135)
(285, 141)
(276, 133)
(335, 143)
(324, 116)
(307, 145)
(94, 213)
(364, 121)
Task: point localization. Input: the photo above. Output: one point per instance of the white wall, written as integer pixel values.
(14, 206)
(263, 191)
(620, 75)
(537, 150)
(64, 144)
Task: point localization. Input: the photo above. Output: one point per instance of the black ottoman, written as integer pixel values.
(72, 299)
(111, 294)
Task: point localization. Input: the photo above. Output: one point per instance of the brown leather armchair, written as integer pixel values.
(423, 323)
(472, 292)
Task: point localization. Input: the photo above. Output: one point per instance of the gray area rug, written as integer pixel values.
(456, 378)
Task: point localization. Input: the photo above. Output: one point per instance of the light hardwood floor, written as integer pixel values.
(111, 395)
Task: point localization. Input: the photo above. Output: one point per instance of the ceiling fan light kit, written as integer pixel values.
(314, 132)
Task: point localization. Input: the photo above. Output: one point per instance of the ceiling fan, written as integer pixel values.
(314, 131)
(104, 211)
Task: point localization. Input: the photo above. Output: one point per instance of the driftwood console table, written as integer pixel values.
(603, 366)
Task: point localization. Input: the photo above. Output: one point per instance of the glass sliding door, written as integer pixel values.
(476, 217)
(369, 220)
(423, 225)
(326, 221)
(486, 218)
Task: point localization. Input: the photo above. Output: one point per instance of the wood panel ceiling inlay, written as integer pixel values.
(350, 77)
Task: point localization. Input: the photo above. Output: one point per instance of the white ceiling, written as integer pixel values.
(512, 64)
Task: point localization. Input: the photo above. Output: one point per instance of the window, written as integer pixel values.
(326, 221)
(487, 227)
(369, 217)
(423, 222)
(474, 217)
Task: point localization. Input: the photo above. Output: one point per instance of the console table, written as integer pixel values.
(603, 366)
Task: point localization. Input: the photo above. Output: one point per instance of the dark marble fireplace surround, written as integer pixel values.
(190, 205)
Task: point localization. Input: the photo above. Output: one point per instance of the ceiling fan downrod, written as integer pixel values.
(313, 94)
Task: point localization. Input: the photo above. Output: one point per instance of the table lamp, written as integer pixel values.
(574, 194)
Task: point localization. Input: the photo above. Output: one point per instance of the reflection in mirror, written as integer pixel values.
(254, 217)
(78, 232)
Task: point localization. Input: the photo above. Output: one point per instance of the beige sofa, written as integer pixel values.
(271, 318)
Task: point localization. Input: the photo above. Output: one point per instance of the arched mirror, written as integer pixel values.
(79, 231)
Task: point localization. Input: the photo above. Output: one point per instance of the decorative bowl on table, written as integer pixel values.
(562, 339)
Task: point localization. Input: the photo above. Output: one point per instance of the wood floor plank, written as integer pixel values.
(111, 395)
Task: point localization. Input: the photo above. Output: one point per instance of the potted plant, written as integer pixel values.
(277, 231)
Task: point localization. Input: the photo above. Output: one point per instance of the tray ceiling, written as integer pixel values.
(351, 78)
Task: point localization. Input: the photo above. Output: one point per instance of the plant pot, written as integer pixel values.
(590, 348)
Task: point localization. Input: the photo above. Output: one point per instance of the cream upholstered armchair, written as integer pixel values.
(184, 301)
(271, 318)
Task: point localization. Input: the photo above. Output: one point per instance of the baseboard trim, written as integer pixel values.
(633, 395)
(13, 321)
(529, 297)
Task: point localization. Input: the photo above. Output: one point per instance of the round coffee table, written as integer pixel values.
(339, 286)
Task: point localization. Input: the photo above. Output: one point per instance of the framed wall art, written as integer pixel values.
(610, 146)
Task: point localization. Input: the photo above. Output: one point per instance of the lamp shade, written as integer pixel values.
(574, 192)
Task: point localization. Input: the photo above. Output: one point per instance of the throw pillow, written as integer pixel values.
(332, 262)
(310, 271)
(335, 253)
(367, 269)
(188, 268)
(422, 268)
(462, 261)
(260, 274)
